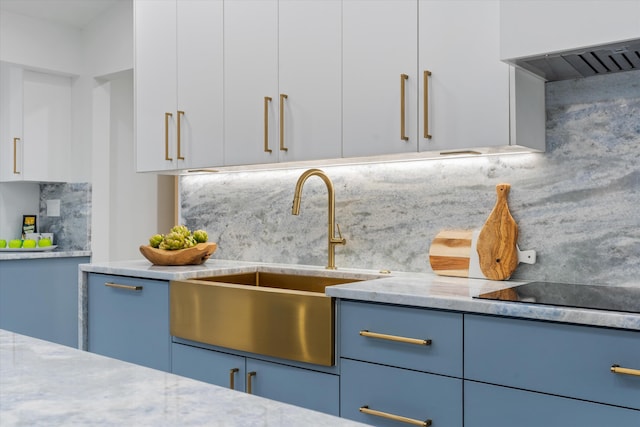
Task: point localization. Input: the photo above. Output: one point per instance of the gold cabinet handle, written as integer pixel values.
(180, 114)
(15, 156)
(417, 341)
(617, 369)
(250, 375)
(412, 421)
(166, 136)
(267, 100)
(403, 79)
(232, 378)
(282, 98)
(425, 100)
(125, 287)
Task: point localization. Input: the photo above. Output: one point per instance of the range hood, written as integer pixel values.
(585, 62)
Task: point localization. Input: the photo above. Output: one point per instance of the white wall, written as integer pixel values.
(17, 199)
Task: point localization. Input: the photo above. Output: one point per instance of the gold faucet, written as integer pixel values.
(295, 210)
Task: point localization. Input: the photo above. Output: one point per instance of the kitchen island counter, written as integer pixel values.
(402, 288)
(42, 383)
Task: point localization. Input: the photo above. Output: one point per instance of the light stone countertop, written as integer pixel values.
(47, 384)
(9, 255)
(411, 289)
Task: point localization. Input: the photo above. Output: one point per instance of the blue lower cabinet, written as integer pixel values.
(128, 319)
(302, 387)
(496, 406)
(386, 393)
(214, 367)
(39, 298)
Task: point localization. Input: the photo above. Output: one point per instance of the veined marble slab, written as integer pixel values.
(47, 384)
(49, 254)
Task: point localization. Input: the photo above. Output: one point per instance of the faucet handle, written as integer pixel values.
(340, 239)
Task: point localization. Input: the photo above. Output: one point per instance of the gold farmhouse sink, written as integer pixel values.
(274, 314)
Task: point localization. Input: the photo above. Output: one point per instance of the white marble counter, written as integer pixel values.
(4, 256)
(46, 384)
(413, 289)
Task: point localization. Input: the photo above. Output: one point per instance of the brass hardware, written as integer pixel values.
(460, 153)
(385, 271)
(166, 136)
(15, 158)
(412, 421)
(616, 369)
(125, 287)
(232, 378)
(403, 78)
(180, 114)
(295, 210)
(267, 99)
(282, 98)
(280, 315)
(425, 83)
(395, 338)
(250, 375)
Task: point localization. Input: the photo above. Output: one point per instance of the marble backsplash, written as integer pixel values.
(576, 204)
(72, 229)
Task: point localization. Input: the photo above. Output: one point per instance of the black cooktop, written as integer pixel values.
(615, 298)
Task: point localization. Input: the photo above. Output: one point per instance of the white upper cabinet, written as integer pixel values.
(178, 79)
(464, 96)
(35, 125)
(380, 77)
(534, 27)
(282, 80)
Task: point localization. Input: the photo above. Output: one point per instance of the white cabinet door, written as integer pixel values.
(466, 104)
(534, 27)
(200, 91)
(250, 81)
(379, 48)
(36, 126)
(310, 73)
(282, 80)
(178, 84)
(155, 85)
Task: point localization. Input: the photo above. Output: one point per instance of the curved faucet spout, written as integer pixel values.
(295, 210)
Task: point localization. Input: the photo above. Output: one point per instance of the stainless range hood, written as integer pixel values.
(586, 62)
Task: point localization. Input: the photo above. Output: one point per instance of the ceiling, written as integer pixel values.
(75, 13)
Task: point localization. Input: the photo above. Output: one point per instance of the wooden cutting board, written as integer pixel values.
(489, 253)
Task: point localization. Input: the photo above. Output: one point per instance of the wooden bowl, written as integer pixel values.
(191, 256)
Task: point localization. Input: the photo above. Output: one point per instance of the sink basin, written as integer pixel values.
(280, 315)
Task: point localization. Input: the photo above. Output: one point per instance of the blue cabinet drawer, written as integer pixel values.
(442, 331)
(213, 367)
(128, 319)
(398, 392)
(496, 406)
(567, 360)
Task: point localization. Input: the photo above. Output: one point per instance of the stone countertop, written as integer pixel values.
(43, 383)
(8, 255)
(402, 288)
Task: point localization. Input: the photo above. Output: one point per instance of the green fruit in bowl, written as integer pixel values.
(29, 243)
(43, 243)
(3, 243)
(15, 243)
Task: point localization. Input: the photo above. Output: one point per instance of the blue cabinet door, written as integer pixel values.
(214, 367)
(398, 392)
(495, 406)
(302, 387)
(128, 319)
(39, 298)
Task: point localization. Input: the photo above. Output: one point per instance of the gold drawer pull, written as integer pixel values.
(125, 287)
(366, 410)
(396, 338)
(179, 134)
(250, 375)
(267, 100)
(282, 98)
(166, 136)
(616, 369)
(425, 100)
(403, 78)
(232, 378)
(15, 159)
